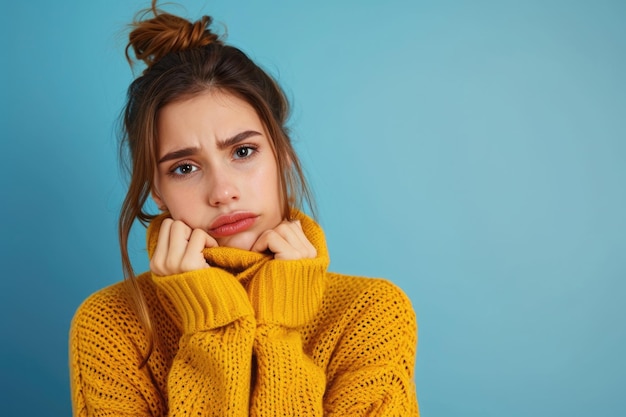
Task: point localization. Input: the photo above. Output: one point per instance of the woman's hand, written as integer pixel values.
(286, 241)
(179, 249)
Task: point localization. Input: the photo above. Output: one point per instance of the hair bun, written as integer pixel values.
(152, 39)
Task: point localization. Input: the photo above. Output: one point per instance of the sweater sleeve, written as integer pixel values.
(209, 374)
(371, 370)
(286, 295)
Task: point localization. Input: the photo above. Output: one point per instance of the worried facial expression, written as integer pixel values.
(216, 169)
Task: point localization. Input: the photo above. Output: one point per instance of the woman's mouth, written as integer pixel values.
(233, 223)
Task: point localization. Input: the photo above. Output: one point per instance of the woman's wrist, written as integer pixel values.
(288, 293)
(205, 298)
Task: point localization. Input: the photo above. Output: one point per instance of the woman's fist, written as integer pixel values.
(179, 249)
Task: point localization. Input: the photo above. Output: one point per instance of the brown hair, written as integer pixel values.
(184, 59)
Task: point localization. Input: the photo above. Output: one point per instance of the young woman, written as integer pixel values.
(238, 314)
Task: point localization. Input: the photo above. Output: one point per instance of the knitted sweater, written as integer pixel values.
(250, 335)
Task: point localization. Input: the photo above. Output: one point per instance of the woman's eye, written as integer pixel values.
(184, 169)
(244, 152)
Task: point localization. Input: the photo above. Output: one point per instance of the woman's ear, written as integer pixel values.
(158, 200)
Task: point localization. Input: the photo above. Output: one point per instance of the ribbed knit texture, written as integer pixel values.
(248, 336)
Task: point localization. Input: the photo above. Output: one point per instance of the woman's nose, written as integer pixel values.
(222, 189)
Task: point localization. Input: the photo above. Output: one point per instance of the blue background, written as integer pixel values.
(474, 152)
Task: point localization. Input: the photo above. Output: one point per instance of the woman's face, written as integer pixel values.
(216, 170)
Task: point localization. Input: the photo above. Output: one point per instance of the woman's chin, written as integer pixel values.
(244, 241)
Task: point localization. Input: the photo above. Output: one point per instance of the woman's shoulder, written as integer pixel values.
(360, 315)
(110, 307)
(358, 294)
(352, 285)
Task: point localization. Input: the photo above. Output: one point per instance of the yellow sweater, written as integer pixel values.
(249, 336)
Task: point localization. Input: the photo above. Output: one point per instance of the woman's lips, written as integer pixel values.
(230, 224)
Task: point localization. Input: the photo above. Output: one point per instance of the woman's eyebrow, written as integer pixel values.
(239, 137)
(180, 153)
